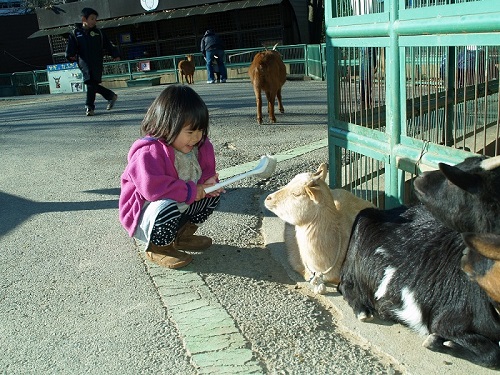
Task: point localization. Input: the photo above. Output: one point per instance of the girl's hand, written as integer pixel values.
(200, 192)
(211, 182)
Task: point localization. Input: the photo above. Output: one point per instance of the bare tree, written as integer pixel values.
(29, 6)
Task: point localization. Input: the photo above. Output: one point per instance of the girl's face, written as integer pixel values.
(187, 139)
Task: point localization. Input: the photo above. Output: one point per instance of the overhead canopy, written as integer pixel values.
(166, 14)
(54, 31)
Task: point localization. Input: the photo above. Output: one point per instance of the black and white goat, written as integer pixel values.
(404, 264)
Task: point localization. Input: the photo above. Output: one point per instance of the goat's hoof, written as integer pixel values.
(363, 316)
(320, 289)
(433, 342)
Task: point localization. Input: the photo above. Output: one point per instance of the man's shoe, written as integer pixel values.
(186, 240)
(167, 256)
(223, 81)
(211, 81)
(112, 102)
(89, 111)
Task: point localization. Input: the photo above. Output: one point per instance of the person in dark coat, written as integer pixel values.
(211, 46)
(86, 44)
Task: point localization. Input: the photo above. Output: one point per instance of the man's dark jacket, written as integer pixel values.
(88, 45)
(211, 41)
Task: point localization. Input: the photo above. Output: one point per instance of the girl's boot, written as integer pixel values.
(186, 240)
(167, 256)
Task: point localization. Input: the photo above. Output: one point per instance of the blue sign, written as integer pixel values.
(65, 66)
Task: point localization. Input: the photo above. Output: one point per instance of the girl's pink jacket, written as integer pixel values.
(150, 175)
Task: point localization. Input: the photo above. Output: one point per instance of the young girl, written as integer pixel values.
(162, 198)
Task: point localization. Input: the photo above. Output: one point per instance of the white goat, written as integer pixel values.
(323, 220)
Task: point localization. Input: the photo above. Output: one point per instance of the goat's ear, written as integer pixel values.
(322, 171)
(469, 182)
(486, 244)
(313, 191)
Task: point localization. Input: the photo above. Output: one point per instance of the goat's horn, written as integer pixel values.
(274, 48)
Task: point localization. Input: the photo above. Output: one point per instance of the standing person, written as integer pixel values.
(215, 67)
(368, 55)
(85, 46)
(162, 198)
(211, 46)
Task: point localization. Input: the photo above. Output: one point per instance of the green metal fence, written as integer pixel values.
(24, 83)
(411, 83)
(301, 60)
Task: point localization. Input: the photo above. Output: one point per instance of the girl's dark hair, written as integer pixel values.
(175, 107)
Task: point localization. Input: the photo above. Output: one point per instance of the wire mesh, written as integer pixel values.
(452, 96)
(363, 176)
(358, 7)
(428, 3)
(362, 86)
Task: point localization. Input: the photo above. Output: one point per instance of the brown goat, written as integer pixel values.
(268, 73)
(481, 261)
(186, 68)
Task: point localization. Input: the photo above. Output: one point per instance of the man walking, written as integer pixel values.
(85, 47)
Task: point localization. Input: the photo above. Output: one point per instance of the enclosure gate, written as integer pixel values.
(411, 83)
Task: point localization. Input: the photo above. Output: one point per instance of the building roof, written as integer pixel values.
(163, 14)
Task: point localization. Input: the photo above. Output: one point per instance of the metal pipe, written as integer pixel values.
(425, 26)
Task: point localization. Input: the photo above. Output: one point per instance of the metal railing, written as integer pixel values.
(301, 59)
(411, 83)
(24, 83)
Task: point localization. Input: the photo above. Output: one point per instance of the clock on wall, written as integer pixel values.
(149, 4)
